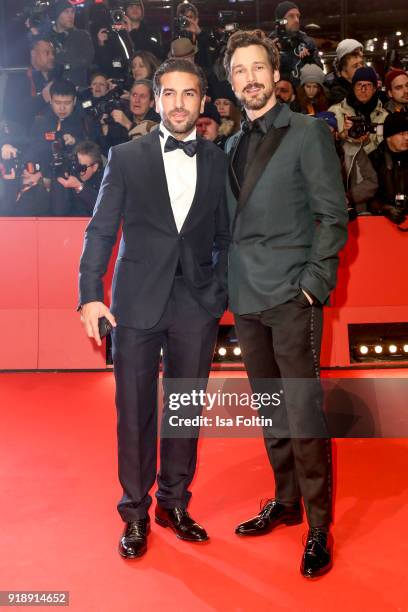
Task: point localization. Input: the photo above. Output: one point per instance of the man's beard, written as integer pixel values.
(185, 127)
(259, 101)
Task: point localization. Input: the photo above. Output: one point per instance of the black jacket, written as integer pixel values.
(134, 192)
(392, 172)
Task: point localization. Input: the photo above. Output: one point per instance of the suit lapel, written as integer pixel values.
(234, 183)
(152, 155)
(204, 155)
(264, 154)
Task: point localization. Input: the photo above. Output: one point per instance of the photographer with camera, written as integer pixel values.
(76, 193)
(74, 48)
(142, 37)
(360, 116)
(112, 43)
(187, 22)
(57, 132)
(118, 124)
(25, 190)
(390, 161)
(27, 94)
(296, 47)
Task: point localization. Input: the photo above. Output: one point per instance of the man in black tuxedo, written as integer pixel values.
(169, 291)
(288, 216)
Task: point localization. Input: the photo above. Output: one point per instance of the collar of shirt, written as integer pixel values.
(166, 134)
(266, 121)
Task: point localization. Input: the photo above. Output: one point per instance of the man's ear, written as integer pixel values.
(276, 76)
(202, 106)
(156, 104)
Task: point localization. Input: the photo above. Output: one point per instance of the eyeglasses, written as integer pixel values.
(363, 86)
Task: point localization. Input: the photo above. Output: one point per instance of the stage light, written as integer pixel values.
(375, 39)
(405, 347)
(398, 33)
(363, 349)
(385, 46)
(222, 351)
(237, 351)
(378, 349)
(392, 348)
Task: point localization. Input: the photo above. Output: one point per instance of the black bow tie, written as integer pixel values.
(189, 146)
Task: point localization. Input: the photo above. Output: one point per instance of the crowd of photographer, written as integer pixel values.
(89, 88)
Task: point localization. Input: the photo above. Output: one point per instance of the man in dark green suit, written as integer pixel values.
(288, 221)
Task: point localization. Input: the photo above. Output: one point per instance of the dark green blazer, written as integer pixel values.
(289, 218)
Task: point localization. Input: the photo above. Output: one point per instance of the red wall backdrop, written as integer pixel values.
(40, 327)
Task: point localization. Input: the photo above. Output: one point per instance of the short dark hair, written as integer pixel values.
(40, 38)
(246, 39)
(179, 65)
(63, 87)
(146, 83)
(186, 7)
(97, 73)
(87, 147)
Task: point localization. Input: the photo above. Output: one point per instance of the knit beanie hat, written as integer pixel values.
(60, 6)
(283, 8)
(211, 112)
(365, 74)
(395, 123)
(391, 75)
(310, 73)
(346, 46)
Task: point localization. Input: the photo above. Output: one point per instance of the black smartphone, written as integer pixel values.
(104, 326)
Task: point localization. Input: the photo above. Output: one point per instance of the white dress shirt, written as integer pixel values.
(181, 176)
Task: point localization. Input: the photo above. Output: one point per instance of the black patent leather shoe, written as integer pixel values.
(271, 515)
(317, 558)
(179, 520)
(133, 542)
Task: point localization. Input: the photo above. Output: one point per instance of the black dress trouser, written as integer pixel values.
(187, 334)
(284, 343)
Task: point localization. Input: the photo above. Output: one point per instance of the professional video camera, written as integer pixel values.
(219, 37)
(118, 15)
(36, 13)
(363, 127)
(18, 165)
(105, 105)
(64, 163)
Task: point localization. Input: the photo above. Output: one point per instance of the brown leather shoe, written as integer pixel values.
(133, 542)
(181, 523)
(271, 515)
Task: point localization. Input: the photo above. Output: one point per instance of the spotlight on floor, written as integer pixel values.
(363, 349)
(237, 351)
(393, 348)
(378, 349)
(222, 351)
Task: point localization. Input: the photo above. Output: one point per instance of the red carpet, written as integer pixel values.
(60, 528)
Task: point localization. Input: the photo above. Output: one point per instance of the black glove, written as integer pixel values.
(395, 215)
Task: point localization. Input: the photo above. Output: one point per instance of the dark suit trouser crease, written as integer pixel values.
(284, 343)
(187, 334)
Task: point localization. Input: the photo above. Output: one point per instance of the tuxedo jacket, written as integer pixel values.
(289, 218)
(134, 193)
